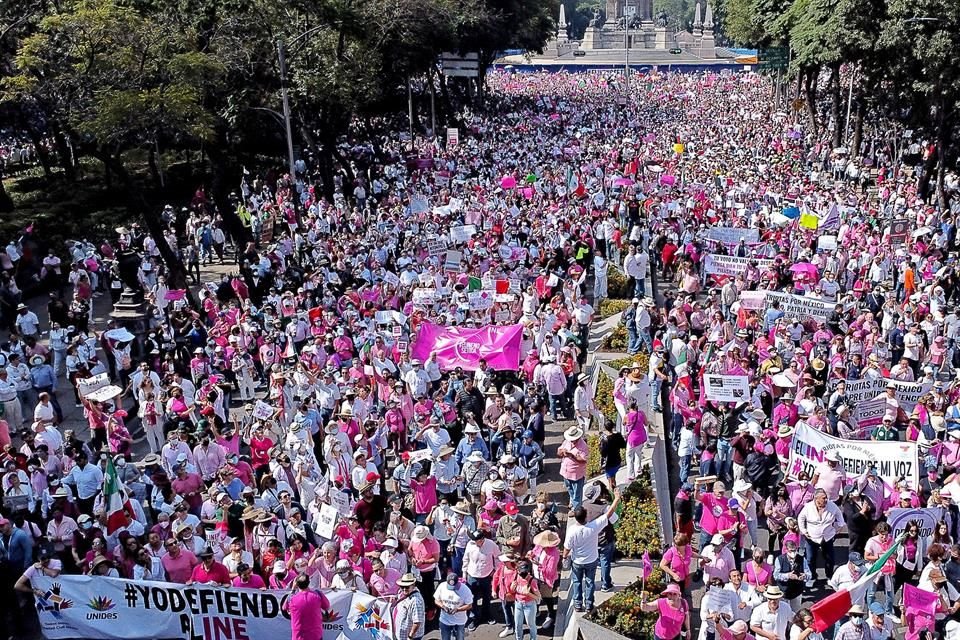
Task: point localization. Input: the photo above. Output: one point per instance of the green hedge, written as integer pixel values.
(617, 284)
(611, 306)
(637, 531)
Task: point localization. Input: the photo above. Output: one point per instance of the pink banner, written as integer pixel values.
(466, 346)
(920, 607)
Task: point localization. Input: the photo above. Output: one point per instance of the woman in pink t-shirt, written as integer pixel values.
(676, 560)
(876, 546)
(757, 572)
(673, 614)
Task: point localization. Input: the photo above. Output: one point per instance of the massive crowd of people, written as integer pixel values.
(289, 391)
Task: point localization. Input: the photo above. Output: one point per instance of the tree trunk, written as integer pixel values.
(857, 141)
(810, 89)
(64, 157)
(220, 189)
(6, 202)
(835, 102)
(42, 154)
(154, 168)
(941, 150)
(137, 205)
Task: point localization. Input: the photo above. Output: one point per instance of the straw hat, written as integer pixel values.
(546, 539)
(462, 507)
(773, 593)
(407, 580)
(420, 533)
(573, 434)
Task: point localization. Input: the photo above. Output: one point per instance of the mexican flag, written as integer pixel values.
(836, 605)
(474, 284)
(115, 500)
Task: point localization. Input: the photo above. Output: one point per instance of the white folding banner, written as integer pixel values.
(894, 460)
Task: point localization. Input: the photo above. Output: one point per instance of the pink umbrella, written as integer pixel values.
(527, 192)
(668, 180)
(806, 269)
(508, 182)
(623, 182)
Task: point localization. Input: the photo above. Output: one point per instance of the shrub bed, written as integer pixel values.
(611, 306)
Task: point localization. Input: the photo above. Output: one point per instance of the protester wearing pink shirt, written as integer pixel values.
(714, 506)
(306, 608)
(573, 454)
(830, 476)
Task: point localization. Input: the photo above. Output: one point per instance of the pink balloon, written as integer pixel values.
(508, 182)
(668, 180)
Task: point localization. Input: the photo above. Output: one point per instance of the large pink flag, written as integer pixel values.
(920, 609)
(466, 346)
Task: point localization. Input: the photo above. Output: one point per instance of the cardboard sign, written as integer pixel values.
(898, 231)
(326, 522)
(453, 136)
(262, 411)
(452, 261)
(462, 234)
(752, 299)
(435, 246)
(732, 235)
(827, 243)
(89, 385)
(420, 455)
(722, 388)
(480, 300)
(502, 316)
(391, 279)
(419, 203)
(424, 297)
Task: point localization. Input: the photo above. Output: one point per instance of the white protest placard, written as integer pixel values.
(801, 306)
(435, 246)
(262, 411)
(723, 388)
(89, 385)
(384, 317)
(391, 279)
(326, 522)
(419, 203)
(460, 234)
(453, 136)
(451, 261)
(827, 243)
(501, 316)
(716, 264)
(424, 297)
(441, 179)
(731, 235)
(516, 286)
(752, 299)
(505, 297)
(892, 459)
(480, 300)
(340, 501)
(420, 455)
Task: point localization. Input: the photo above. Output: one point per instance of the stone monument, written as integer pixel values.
(708, 44)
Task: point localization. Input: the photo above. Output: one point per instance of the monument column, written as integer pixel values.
(646, 10)
(612, 11)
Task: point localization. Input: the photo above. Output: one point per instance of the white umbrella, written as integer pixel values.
(783, 381)
(922, 231)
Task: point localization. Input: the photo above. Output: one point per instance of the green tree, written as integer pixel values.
(920, 39)
(117, 80)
